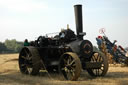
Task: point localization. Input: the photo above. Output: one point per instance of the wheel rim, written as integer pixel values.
(70, 67)
(97, 57)
(25, 62)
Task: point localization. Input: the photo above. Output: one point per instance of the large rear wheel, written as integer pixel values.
(29, 62)
(70, 66)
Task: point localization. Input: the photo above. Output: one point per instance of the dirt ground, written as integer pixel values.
(10, 75)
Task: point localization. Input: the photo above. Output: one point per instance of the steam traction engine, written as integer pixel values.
(68, 53)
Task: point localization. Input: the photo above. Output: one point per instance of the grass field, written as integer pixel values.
(10, 75)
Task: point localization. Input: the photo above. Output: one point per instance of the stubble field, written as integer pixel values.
(10, 75)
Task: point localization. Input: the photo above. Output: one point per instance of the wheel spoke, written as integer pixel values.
(70, 59)
(29, 70)
(73, 71)
(28, 55)
(26, 71)
(23, 57)
(98, 72)
(68, 62)
(68, 75)
(98, 56)
(65, 61)
(25, 52)
(22, 65)
(93, 58)
(63, 69)
(100, 59)
(101, 69)
(72, 62)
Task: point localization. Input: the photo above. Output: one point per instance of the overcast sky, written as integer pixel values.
(21, 19)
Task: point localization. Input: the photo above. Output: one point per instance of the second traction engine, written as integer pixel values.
(67, 53)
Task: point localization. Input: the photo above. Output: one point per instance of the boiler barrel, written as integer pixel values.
(78, 20)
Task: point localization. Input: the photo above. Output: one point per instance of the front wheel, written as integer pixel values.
(70, 66)
(99, 58)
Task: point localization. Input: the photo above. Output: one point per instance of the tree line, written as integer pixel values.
(10, 46)
(14, 46)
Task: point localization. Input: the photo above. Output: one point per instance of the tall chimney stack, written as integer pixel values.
(78, 20)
